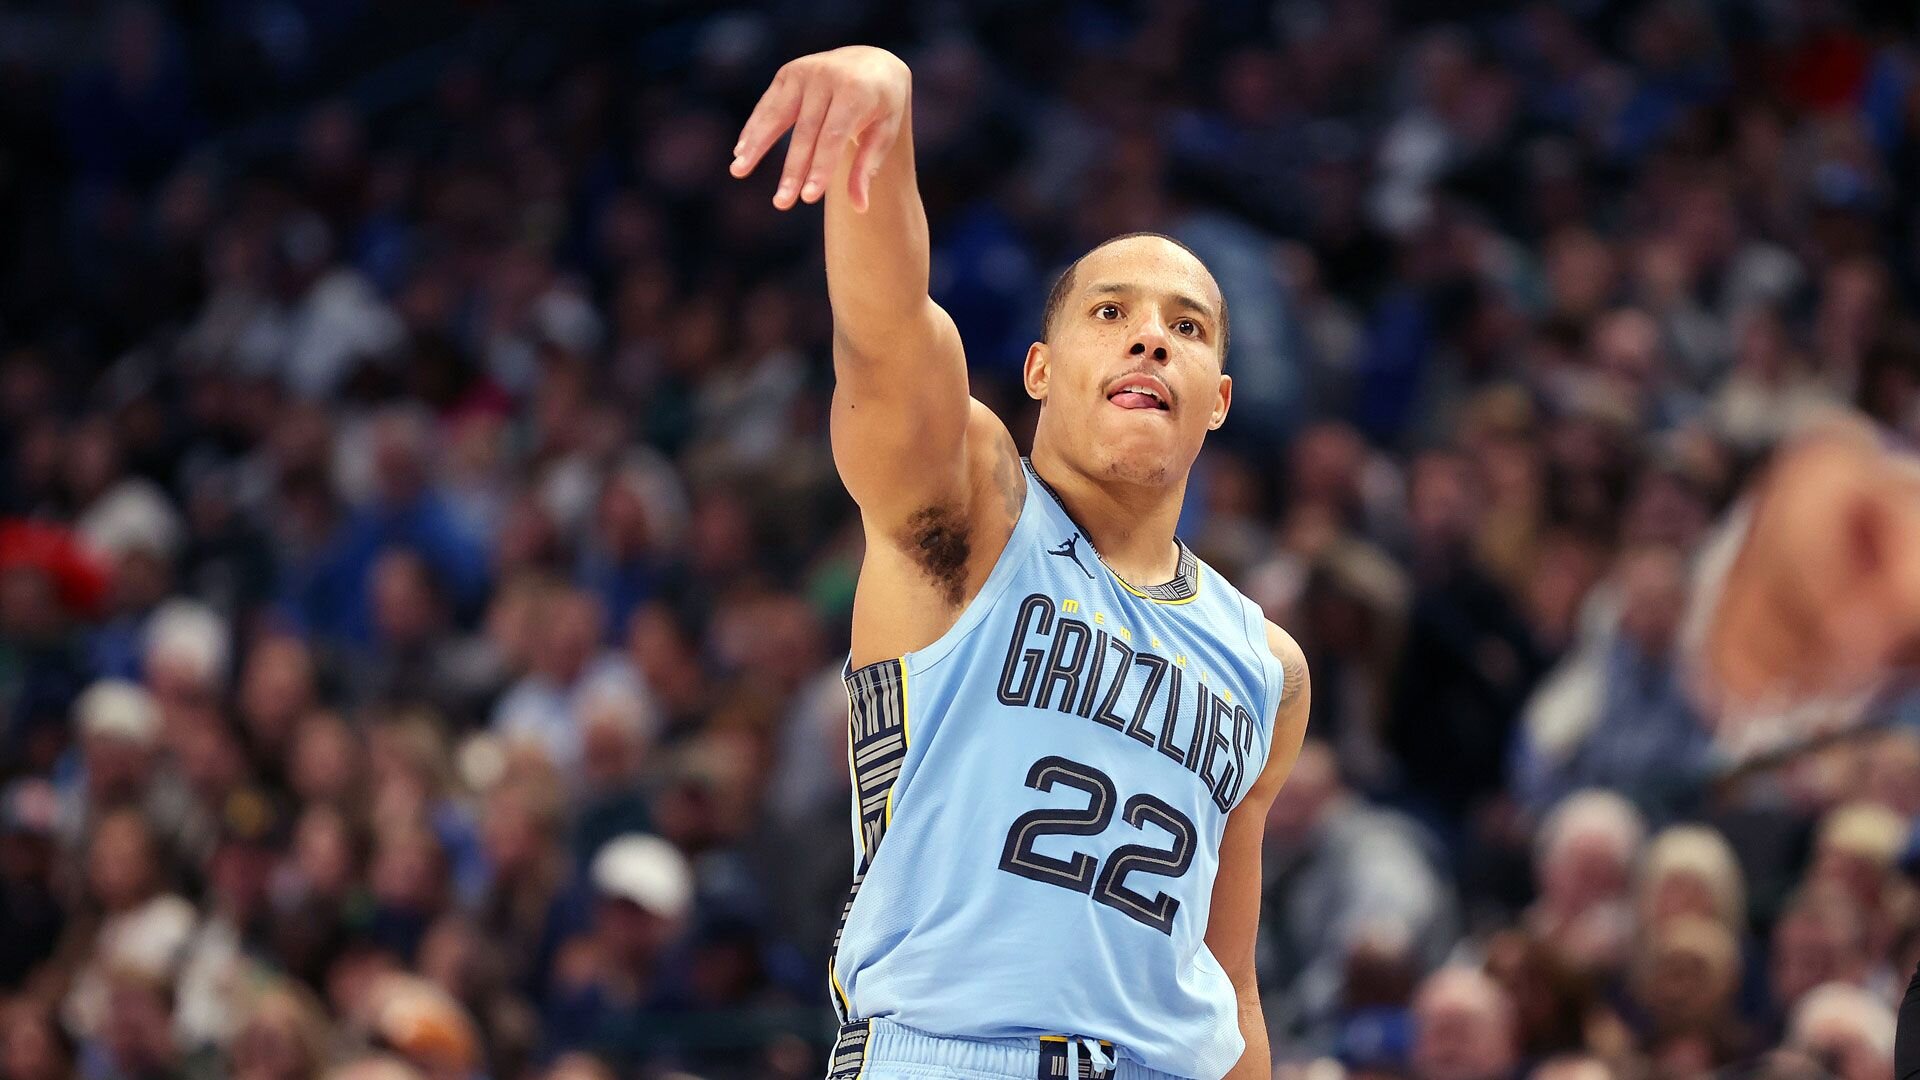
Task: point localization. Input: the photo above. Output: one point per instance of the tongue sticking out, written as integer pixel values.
(1127, 399)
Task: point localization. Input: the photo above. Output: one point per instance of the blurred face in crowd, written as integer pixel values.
(141, 580)
(1840, 1043)
(409, 871)
(1580, 273)
(1326, 463)
(578, 1067)
(351, 979)
(1687, 974)
(1858, 874)
(1139, 311)
(450, 956)
(1463, 1028)
(208, 755)
(279, 1041)
(326, 758)
(1441, 502)
(1626, 352)
(1666, 509)
(632, 937)
(240, 876)
(514, 833)
(1587, 867)
(400, 456)
(323, 851)
(404, 610)
(665, 655)
(1573, 1067)
(276, 688)
(117, 767)
(120, 862)
(570, 637)
(92, 461)
(1815, 943)
(622, 518)
(612, 752)
(1680, 893)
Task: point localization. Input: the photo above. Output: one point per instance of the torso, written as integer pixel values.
(1051, 774)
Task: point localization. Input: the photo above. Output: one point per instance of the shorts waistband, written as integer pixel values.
(863, 1043)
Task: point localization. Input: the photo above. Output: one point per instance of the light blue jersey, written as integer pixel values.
(1039, 802)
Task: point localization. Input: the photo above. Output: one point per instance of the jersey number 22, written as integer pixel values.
(1107, 884)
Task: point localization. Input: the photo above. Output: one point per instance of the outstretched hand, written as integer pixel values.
(852, 97)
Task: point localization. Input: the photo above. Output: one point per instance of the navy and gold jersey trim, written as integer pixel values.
(849, 1058)
(877, 739)
(1182, 589)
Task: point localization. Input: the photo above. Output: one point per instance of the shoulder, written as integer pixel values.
(997, 480)
(1293, 663)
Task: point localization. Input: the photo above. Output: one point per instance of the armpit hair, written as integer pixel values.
(937, 538)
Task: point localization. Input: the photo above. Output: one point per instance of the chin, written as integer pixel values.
(1137, 459)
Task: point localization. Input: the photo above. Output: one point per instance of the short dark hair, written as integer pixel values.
(1063, 285)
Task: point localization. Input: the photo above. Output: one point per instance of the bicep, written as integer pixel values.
(900, 422)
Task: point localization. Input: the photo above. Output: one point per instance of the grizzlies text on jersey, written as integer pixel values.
(1039, 802)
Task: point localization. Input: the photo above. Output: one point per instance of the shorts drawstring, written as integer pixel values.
(1097, 1057)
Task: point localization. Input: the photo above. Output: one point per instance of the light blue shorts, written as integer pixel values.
(884, 1050)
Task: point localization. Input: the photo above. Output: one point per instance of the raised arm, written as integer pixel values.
(900, 409)
(935, 473)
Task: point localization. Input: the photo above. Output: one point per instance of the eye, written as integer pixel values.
(1187, 327)
(1107, 312)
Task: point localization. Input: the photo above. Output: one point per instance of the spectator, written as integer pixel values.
(1327, 853)
(29, 903)
(1818, 939)
(1689, 870)
(643, 893)
(1847, 1028)
(1583, 860)
(1685, 980)
(284, 1037)
(567, 667)
(1617, 716)
(1464, 1028)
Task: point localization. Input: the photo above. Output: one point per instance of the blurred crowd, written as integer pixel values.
(424, 585)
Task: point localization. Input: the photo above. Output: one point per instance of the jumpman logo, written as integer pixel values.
(1070, 549)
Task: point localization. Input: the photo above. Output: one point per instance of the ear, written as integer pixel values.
(1222, 402)
(1036, 372)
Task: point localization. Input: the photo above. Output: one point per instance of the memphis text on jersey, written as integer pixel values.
(1083, 667)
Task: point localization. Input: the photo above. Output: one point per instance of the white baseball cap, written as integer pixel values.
(116, 708)
(646, 871)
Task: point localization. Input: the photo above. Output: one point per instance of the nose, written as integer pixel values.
(1149, 340)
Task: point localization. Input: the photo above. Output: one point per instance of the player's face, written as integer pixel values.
(1130, 378)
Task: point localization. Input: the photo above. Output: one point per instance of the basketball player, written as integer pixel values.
(1066, 728)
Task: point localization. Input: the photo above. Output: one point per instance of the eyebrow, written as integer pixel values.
(1117, 288)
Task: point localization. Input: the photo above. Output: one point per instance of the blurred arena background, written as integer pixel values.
(423, 581)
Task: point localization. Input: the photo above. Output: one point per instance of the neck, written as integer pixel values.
(1131, 525)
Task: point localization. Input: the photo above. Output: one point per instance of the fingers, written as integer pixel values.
(776, 112)
(843, 119)
(875, 145)
(800, 147)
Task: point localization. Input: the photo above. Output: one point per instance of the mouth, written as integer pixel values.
(1140, 392)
